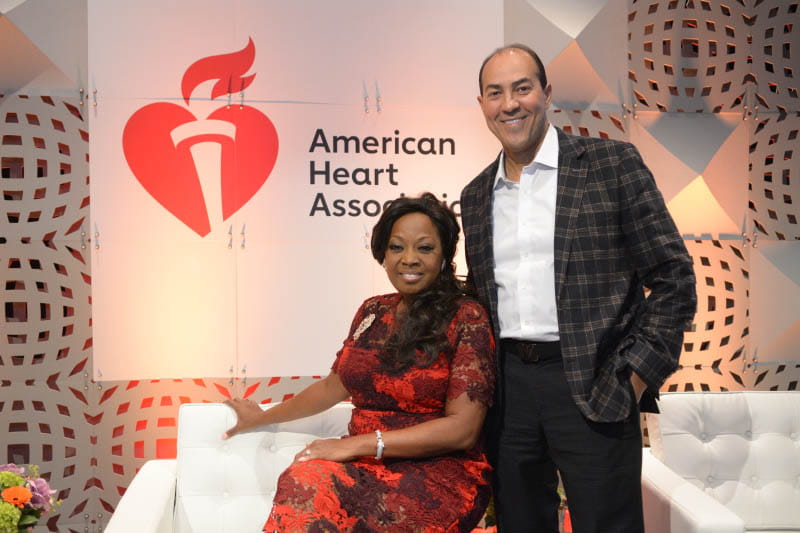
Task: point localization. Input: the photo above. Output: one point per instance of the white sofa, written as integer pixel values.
(723, 462)
(215, 485)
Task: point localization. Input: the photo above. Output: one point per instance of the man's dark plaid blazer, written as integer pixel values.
(613, 237)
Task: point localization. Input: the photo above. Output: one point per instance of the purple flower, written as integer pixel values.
(14, 469)
(41, 494)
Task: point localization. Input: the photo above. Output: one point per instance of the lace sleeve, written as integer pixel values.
(472, 369)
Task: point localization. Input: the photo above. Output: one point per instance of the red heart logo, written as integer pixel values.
(168, 173)
(166, 168)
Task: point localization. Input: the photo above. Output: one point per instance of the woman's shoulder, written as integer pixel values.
(380, 301)
(378, 307)
(470, 309)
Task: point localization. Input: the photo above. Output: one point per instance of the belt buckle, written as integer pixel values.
(528, 352)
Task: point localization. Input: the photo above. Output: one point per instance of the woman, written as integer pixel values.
(419, 367)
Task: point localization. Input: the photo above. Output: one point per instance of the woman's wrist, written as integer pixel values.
(379, 445)
(363, 445)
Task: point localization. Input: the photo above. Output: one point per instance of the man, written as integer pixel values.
(563, 235)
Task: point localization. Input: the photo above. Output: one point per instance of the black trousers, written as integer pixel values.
(541, 433)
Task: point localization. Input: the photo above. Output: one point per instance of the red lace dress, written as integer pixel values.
(446, 493)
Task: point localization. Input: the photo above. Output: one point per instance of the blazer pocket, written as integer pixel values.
(612, 395)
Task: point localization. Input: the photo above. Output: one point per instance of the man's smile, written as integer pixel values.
(512, 121)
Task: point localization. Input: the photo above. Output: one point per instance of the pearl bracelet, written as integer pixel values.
(379, 444)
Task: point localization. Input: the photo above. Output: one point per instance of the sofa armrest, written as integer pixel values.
(147, 506)
(674, 505)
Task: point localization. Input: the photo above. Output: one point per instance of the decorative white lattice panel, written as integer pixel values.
(775, 55)
(714, 348)
(775, 176)
(47, 422)
(46, 320)
(688, 55)
(44, 151)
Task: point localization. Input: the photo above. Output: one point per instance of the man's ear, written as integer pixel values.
(548, 91)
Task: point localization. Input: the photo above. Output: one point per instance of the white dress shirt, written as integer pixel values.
(524, 218)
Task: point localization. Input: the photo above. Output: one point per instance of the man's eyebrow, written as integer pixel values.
(515, 83)
(521, 81)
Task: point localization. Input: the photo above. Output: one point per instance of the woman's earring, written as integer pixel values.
(443, 264)
(383, 264)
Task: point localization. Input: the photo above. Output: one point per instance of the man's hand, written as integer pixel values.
(639, 386)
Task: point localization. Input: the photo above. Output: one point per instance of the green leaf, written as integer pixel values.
(30, 511)
(27, 520)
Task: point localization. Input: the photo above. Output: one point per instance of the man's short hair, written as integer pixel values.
(528, 50)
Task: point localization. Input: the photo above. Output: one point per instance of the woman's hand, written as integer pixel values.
(248, 416)
(314, 399)
(338, 450)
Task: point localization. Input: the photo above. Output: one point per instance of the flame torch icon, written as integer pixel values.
(203, 171)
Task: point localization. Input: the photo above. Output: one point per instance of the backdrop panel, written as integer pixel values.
(238, 171)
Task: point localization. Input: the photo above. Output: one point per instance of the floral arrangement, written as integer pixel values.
(23, 498)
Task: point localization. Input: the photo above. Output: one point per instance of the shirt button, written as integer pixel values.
(748, 433)
(710, 479)
(703, 437)
(273, 448)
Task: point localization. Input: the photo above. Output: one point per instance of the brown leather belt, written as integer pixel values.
(532, 352)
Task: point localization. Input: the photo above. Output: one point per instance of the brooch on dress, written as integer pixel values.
(367, 322)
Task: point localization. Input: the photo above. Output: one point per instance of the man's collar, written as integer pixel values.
(500, 179)
(546, 156)
(548, 152)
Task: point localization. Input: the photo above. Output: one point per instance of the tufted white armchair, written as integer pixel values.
(215, 485)
(723, 462)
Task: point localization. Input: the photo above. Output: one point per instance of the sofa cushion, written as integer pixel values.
(743, 448)
(228, 485)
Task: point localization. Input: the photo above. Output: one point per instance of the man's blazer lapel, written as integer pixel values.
(484, 225)
(572, 171)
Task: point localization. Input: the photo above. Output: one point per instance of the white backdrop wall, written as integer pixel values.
(268, 284)
(707, 90)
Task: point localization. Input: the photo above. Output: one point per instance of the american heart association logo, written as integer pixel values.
(161, 143)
